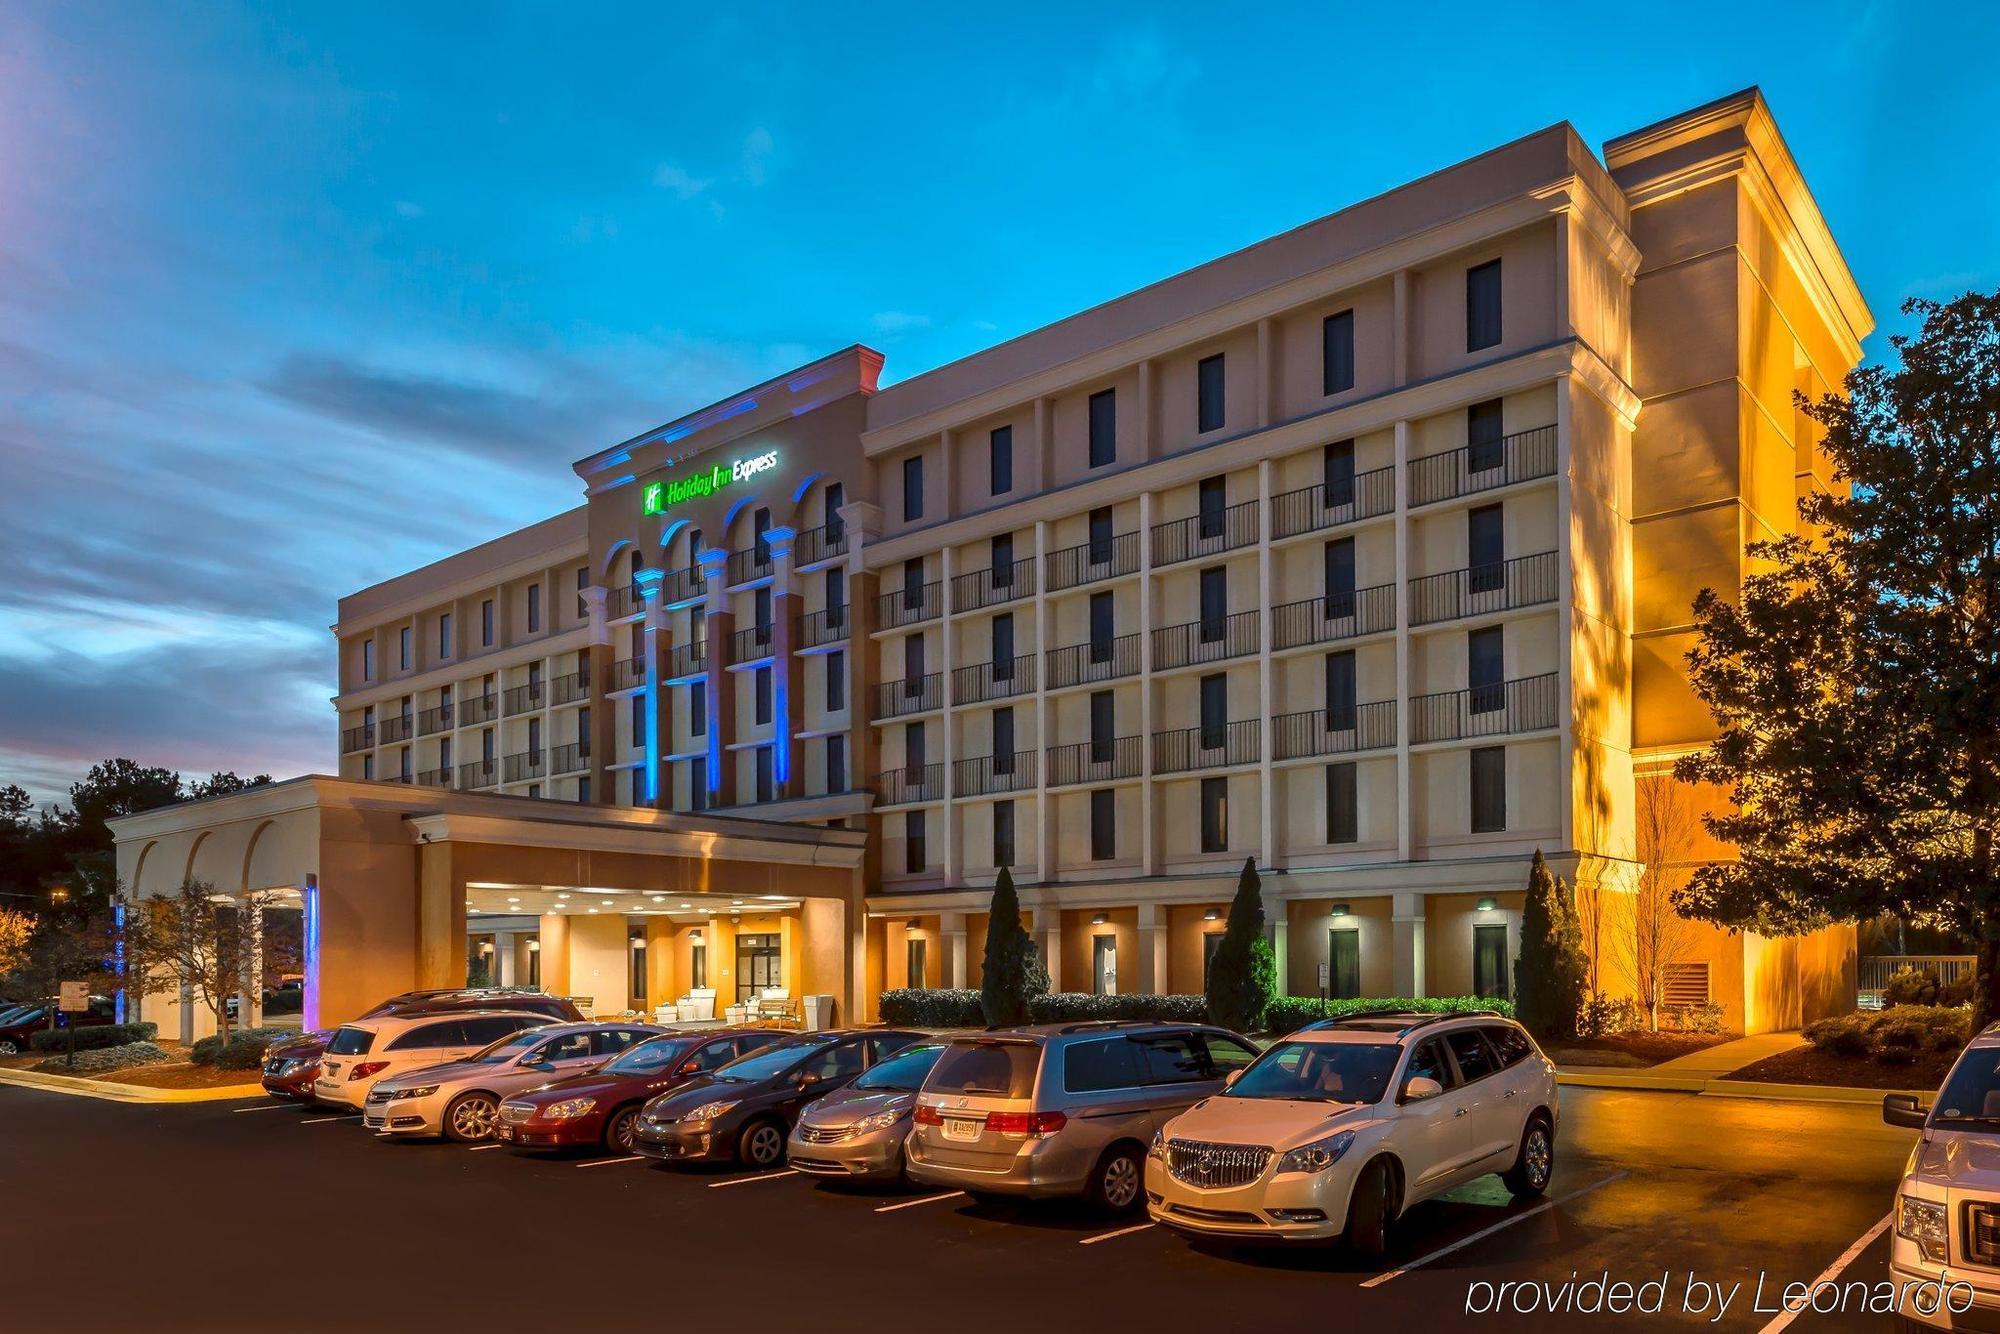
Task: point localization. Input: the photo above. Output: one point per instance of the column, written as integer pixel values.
(788, 696)
(250, 996)
(503, 958)
(658, 733)
(1155, 970)
(951, 936)
(1267, 803)
(954, 853)
(440, 918)
(1045, 807)
(603, 740)
(1278, 926)
(1407, 940)
(1048, 939)
(1150, 830)
(1405, 687)
(720, 685)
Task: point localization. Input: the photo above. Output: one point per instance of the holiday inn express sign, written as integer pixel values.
(658, 496)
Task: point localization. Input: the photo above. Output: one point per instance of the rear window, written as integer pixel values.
(351, 1042)
(1510, 1043)
(1103, 1063)
(991, 1069)
(449, 1034)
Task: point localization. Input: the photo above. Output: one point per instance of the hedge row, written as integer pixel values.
(244, 1051)
(94, 1037)
(940, 1007)
(1895, 1036)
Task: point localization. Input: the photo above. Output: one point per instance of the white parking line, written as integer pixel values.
(911, 1204)
(1121, 1232)
(761, 1176)
(1485, 1232)
(1832, 1271)
(481, 1148)
(611, 1162)
(267, 1107)
(322, 1120)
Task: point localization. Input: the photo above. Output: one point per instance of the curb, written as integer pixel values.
(105, 1091)
(1730, 1088)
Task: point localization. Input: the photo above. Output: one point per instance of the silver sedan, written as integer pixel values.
(461, 1099)
(857, 1133)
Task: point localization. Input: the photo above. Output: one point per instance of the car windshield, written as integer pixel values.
(996, 1069)
(770, 1061)
(1971, 1093)
(21, 1014)
(650, 1058)
(1345, 1072)
(351, 1042)
(507, 1048)
(902, 1073)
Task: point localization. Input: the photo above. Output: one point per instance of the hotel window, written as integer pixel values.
(1486, 550)
(830, 502)
(1340, 702)
(1342, 803)
(637, 638)
(368, 724)
(1214, 603)
(836, 764)
(1214, 713)
(836, 681)
(403, 649)
(913, 749)
(915, 959)
(1489, 790)
(1000, 460)
(638, 721)
(766, 783)
(635, 563)
(637, 946)
(694, 551)
(1213, 506)
(583, 732)
(913, 584)
(444, 634)
(914, 858)
(1339, 562)
(534, 791)
(913, 488)
(1489, 961)
(698, 792)
(762, 687)
(403, 763)
(1486, 670)
(1103, 427)
(534, 609)
(1102, 629)
(1103, 726)
(697, 708)
(698, 965)
(761, 616)
(486, 623)
(1003, 646)
(582, 582)
(1337, 474)
(1000, 559)
(368, 659)
(1003, 833)
(1215, 815)
(1208, 409)
(1336, 336)
(487, 747)
(1103, 824)
(368, 767)
(1482, 305)
(1101, 536)
(1003, 741)
(836, 597)
(760, 525)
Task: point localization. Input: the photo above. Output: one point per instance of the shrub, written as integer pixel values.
(1959, 992)
(1069, 1007)
(244, 1051)
(290, 1000)
(1288, 1014)
(100, 1059)
(943, 1007)
(933, 1007)
(1703, 1018)
(1910, 985)
(1893, 1036)
(1609, 1017)
(94, 1038)
(1551, 970)
(1012, 969)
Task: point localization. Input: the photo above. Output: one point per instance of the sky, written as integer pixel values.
(296, 298)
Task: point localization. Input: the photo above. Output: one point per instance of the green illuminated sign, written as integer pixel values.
(658, 496)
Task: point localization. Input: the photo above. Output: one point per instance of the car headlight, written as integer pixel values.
(708, 1111)
(1922, 1221)
(568, 1109)
(423, 1092)
(1159, 1149)
(881, 1120)
(1317, 1156)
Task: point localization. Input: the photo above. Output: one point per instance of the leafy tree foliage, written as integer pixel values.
(1552, 975)
(1243, 976)
(1012, 973)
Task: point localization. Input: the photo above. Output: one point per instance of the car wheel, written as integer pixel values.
(762, 1144)
(1371, 1210)
(8, 1048)
(621, 1131)
(1535, 1163)
(1117, 1183)
(470, 1117)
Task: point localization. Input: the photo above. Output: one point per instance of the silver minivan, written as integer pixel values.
(1063, 1109)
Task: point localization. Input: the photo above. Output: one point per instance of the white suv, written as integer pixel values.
(1945, 1252)
(1336, 1130)
(367, 1051)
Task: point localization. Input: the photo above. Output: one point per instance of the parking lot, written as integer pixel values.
(254, 1216)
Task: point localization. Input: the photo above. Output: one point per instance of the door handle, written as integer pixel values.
(1459, 1112)
(1510, 1093)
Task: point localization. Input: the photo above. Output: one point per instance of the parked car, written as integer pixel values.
(1063, 1109)
(362, 1054)
(1337, 1130)
(857, 1133)
(291, 1065)
(744, 1110)
(601, 1106)
(1947, 1206)
(19, 1025)
(461, 1099)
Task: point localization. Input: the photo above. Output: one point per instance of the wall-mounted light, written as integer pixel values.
(534, 947)
(1341, 910)
(1099, 919)
(637, 942)
(1488, 904)
(1212, 915)
(486, 947)
(695, 934)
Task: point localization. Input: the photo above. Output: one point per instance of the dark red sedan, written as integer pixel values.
(598, 1107)
(291, 1064)
(20, 1024)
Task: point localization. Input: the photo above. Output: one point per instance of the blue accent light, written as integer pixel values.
(118, 954)
(667, 537)
(805, 486)
(309, 932)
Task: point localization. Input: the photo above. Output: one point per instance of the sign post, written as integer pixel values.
(73, 999)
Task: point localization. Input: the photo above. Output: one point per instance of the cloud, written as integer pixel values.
(893, 322)
(757, 150)
(669, 176)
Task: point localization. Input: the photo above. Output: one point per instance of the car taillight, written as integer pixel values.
(927, 1116)
(367, 1068)
(1025, 1123)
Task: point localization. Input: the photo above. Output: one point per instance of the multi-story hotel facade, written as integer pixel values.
(1366, 553)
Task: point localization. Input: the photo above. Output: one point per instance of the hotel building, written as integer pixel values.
(1366, 552)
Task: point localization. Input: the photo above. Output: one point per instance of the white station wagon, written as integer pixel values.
(367, 1051)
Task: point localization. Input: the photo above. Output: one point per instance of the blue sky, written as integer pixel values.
(294, 299)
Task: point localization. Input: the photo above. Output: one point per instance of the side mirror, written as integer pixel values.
(1231, 1078)
(687, 1068)
(1421, 1087)
(1900, 1109)
(809, 1080)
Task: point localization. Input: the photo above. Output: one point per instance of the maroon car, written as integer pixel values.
(291, 1064)
(598, 1107)
(19, 1024)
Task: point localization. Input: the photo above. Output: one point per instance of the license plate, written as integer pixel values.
(959, 1127)
(504, 1131)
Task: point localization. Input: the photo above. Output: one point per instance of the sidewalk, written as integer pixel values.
(1719, 1060)
(1702, 1073)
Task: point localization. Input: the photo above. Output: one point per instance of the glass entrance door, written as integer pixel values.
(1104, 965)
(757, 965)
(1489, 961)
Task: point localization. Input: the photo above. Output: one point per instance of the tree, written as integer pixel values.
(204, 942)
(222, 784)
(1551, 973)
(1855, 680)
(16, 930)
(64, 948)
(1660, 939)
(1244, 974)
(1011, 973)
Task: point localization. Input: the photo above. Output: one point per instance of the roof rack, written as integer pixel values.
(1094, 1025)
(1417, 1018)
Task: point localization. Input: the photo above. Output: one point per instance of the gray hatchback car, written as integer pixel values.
(1063, 1109)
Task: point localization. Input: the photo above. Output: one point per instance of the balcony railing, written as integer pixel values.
(1312, 508)
(1095, 660)
(1090, 561)
(479, 773)
(434, 778)
(823, 627)
(525, 699)
(438, 719)
(1204, 641)
(1503, 585)
(683, 584)
(990, 588)
(396, 727)
(751, 643)
(908, 606)
(1205, 534)
(1524, 705)
(478, 709)
(749, 564)
(628, 673)
(1013, 772)
(1185, 748)
(1520, 457)
(570, 759)
(993, 680)
(818, 544)
(899, 787)
(357, 738)
(1333, 731)
(1089, 762)
(529, 764)
(570, 687)
(916, 694)
(623, 600)
(1335, 616)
